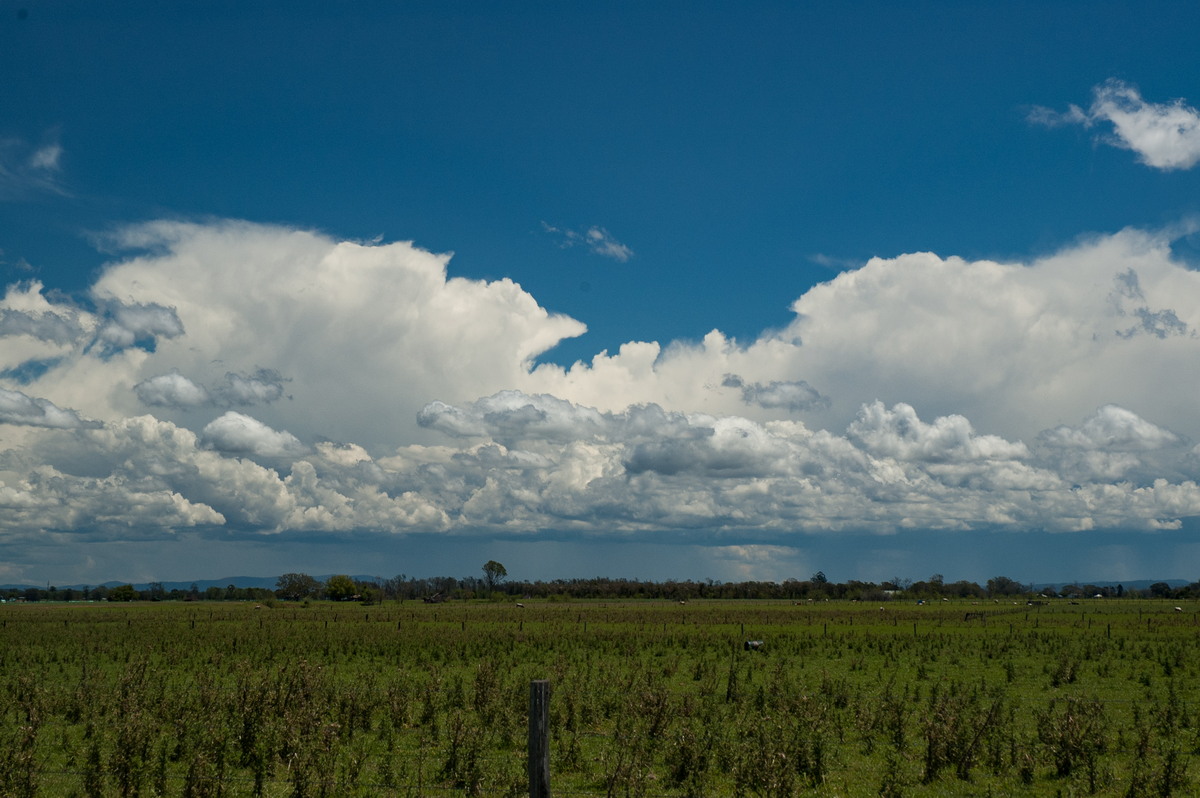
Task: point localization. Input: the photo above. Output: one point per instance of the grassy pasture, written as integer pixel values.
(649, 698)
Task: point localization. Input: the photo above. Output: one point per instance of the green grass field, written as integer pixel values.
(1098, 697)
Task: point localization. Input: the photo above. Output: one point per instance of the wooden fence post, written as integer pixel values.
(539, 739)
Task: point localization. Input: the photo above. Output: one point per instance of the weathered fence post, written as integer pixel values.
(539, 739)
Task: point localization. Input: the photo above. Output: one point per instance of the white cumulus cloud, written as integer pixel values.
(1164, 135)
(172, 390)
(914, 392)
(175, 390)
(900, 434)
(1016, 347)
(798, 395)
(17, 408)
(236, 433)
(365, 334)
(1111, 428)
(129, 324)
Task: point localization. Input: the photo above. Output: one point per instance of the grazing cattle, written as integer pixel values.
(519, 604)
(1179, 609)
(753, 645)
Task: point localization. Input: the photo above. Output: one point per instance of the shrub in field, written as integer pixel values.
(132, 727)
(629, 757)
(886, 718)
(464, 753)
(893, 783)
(687, 757)
(780, 752)
(1159, 765)
(958, 720)
(93, 770)
(18, 763)
(1073, 735)
(1065, 671)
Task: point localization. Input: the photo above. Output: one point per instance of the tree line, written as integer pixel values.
(495, 585)
(155, 591)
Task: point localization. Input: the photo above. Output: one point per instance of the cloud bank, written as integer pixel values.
(913, 393)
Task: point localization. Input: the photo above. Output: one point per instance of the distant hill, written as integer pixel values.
(1132, 584)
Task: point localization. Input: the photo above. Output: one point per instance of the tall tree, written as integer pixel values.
(1003, 586)
(393, 588)
(340, 587)
(493, 574)
(296, 586)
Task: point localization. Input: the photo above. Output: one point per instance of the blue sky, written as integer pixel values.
(694, 290)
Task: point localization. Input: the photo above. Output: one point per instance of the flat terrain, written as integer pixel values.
(649, 698)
